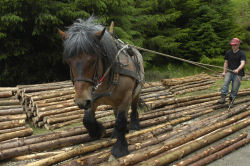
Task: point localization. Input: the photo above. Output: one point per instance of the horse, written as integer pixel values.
(104, 71)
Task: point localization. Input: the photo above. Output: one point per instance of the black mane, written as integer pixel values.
(82, 40)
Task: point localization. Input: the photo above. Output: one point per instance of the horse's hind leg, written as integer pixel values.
(134, 117)
(121, 146)
(95, 129)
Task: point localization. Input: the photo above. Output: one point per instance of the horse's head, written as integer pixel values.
(82, 54)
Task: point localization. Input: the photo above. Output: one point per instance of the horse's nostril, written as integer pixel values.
(87, 104)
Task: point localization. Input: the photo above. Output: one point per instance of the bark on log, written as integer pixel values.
(151, 84)
(143, 154)
(52, 121)
(21, 133)
(192, 89)
(153, 89)
(9, 102)
(58, 125)
(67, 103)
(13, 111)
(40, 115)
(51, 95)
(11, 124)
(12, 130)
(45, 145)
(36, 156)
(6, 94)
(56, 99)
(62, 115)
(210, 151)
(222, 153)
(42, 138)
(12, 117)
(175, 154)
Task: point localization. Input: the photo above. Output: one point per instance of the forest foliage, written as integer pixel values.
(198, 30)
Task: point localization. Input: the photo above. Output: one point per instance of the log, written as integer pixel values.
(12, 129)
(175, 154)
(177, 81)
(151, 84)
(65, 119)
(51, 95)
(12, 117)
(62, 115)
(45, 145)
(146, 153)
(42, 138)
(40, 115)
(55, 99)
(67, 103)
(6, 94)
(21, 133)
(183, 87)
(210, 151)
(8, 102)
(12, 111)
(193, 89)
(36, 107)
(153, 89)
(222, 153)
(11, 124)
(44, 88)
(58, 125)
(36, 156)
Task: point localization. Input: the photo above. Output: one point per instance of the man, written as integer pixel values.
(235, 60)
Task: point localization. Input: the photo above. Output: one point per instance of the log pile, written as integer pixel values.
(12, 116)
(51, 105)
(160, 133)
(188, 84)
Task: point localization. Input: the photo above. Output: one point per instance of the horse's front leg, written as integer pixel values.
(121, 146)
(95, 129)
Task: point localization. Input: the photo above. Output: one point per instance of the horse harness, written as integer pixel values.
(115, 70)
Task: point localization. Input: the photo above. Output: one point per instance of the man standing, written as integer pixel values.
(235, 60)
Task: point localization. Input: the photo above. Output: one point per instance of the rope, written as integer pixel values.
(184, 60)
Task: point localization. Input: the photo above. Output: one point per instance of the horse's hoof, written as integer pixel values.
(98, 131)
(134, 126)
(120, 149)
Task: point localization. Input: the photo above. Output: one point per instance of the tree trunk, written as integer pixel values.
(12, 117)
(15, 134)
(210, 151)
(12, 124)
(222, 153)
(178, 153)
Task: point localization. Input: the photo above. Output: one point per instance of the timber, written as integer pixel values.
(222, 153)
(211, 150)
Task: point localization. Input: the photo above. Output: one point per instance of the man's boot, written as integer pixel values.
(231, 101)
(222, 99)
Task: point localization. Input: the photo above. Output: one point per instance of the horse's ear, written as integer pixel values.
(100, 34)
(62, 34)
(111, 27)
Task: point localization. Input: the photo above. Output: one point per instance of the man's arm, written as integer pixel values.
(225, 68)
(242, 64)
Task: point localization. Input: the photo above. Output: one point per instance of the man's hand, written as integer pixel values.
(223, 74)
(236, 71)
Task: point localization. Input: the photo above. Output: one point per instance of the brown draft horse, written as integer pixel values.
(91, 51)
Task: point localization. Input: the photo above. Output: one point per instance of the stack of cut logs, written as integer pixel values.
(12, 116)
(188, 84)
(51, 105)
(185, 124)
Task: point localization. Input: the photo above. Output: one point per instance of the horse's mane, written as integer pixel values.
(82, 40)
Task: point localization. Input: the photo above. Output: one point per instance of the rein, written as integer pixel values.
(94, 81)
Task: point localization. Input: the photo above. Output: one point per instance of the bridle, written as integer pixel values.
(94, 81)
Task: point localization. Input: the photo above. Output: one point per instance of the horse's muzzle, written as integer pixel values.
(84, 105)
